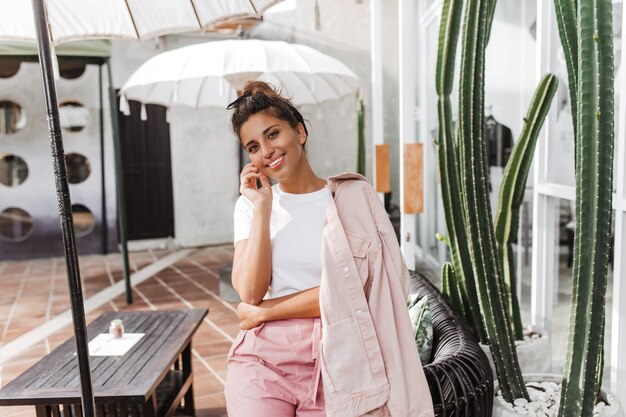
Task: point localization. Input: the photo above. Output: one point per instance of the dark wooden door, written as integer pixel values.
(147, 172)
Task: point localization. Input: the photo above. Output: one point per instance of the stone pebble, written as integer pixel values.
(544, 402)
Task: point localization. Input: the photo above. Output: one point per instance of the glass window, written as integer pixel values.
(12, 117)
(13, 170)
(78, 168)
(73, 115)
(83, 220)
(430, 3)
(15, 224)
(430, 227)
(522, 250)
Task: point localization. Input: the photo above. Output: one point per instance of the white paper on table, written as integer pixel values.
(105, 345)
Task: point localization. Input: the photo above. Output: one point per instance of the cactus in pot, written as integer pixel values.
(479, 280)
(585, 29)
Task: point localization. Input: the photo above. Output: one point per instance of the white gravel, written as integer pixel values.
(530, 335)
(544, 401)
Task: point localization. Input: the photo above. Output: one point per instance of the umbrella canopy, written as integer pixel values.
(71, 20)
(211, 74)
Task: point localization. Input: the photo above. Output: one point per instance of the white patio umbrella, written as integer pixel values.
(210, 74)
(49, 23)
(71, 20)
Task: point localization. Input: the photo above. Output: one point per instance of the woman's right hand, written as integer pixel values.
(259, 196)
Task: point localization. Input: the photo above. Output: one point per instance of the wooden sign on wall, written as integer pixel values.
(382, 169)
(413, 178)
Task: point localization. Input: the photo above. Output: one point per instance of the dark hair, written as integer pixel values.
(259, 96)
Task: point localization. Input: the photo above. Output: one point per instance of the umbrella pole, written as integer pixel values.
(104, 221)
(119, 181)
(65, 207)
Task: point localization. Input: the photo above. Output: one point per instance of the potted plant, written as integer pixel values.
(480, 280)
(585, 29)
(586, 34)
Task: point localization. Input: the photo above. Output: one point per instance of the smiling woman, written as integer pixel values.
(278, 238)
(308, 345)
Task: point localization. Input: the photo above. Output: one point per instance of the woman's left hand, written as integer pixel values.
(249, 316)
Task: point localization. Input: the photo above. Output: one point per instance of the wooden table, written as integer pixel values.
(154, 379)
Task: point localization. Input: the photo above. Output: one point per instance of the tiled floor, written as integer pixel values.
(35, 291)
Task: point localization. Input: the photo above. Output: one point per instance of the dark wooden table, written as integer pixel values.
(153, 379)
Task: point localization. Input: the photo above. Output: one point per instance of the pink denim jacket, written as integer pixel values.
(369, 361)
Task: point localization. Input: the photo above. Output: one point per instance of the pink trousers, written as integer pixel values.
(273, 371)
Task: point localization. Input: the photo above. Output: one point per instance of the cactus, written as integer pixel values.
(469, 221)
(475, 202)
(448, 165)
(512, 191)
(585, 28)
(477, 276)
(360, 158)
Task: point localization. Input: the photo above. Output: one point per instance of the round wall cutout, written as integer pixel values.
(9, 68)
(12, 117)
(13, 170)
(71, 70)
(73, 115)
(84, 221)
(78, 167)
(15, 224)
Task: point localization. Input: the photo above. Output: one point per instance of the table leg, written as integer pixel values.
(50, 411)
(190, 408)
(43, 411)
(150, 407)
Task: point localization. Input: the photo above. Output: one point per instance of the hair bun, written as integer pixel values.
(260, 87)
(261, 96)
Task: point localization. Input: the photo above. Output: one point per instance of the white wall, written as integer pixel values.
(205, 175)
(37, 194)
(204, 149)
(345, 35)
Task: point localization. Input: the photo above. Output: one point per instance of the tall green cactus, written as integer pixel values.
(512, 192)
(586, 34)
(469, 223)
(475, 201)
(448, 166)
(477, 277)
(360, 157)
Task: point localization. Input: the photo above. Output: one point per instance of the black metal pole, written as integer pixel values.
(65, 207)
(119, 185)
(104, 221)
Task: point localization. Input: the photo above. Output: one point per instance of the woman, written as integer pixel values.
(289, 244)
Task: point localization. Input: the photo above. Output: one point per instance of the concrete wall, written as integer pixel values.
(204, 154)
(204, 151)
(37, 194)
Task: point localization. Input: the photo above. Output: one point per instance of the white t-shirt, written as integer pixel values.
(296, 225)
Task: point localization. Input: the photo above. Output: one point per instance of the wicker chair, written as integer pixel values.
(459, 376)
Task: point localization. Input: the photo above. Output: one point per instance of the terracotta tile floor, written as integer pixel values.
(35, 291)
